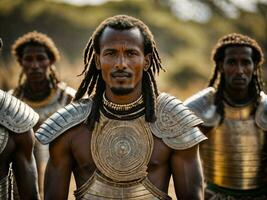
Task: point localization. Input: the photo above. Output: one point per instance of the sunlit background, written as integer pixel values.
(185, 32)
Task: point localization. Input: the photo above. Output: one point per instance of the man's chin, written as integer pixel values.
(239, 88)
(121, 91)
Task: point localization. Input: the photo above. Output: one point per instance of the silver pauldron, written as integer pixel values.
(176, 124)
(202, 104)
(64, 119)
(16, 116)
(261, 112)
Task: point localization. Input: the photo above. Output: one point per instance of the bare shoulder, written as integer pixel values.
(19, 145)
(69, 136)
(23, 140)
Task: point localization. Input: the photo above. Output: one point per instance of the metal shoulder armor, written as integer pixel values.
(261, 112)
(64, 119)
(202, 105)
(176, 124)
(16, 116)
(68, 90)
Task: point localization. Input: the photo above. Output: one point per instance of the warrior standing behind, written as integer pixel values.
(234, 109)
(39, 85)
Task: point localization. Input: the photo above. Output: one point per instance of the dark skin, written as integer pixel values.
(19, 151)
(238, 68)
(121, 52)
(35, 63)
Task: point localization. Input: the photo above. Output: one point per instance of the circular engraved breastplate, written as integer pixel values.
(122, 149)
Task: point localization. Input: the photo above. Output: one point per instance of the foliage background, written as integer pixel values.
(185, 37)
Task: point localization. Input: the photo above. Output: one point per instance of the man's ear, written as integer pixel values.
(147, 61)
(97, 62)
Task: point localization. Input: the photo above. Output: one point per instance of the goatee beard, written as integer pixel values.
(121, 91)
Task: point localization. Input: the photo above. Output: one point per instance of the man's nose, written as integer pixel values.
(34, 64)
(121, 62)
(240, 68)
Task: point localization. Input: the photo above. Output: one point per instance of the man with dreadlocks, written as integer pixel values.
(16, 147)
(126, 139)
(36, 53)
(234, 109)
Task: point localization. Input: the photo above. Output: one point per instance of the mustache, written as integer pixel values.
(121, 73)
(34, 73)
(239, 78)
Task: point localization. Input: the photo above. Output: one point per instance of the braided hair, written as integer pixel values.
(93, 83)
(35, 38)
(218, 80)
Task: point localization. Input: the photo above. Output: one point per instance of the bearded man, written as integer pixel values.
(127, 139)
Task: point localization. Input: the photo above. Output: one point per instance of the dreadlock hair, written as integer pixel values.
(218, 79)
(35, 38)
(93, 82)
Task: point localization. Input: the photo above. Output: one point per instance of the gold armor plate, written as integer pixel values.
(235, 154)
(100, 188)
(122, 149)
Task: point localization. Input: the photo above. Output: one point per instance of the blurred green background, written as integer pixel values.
(185, 32)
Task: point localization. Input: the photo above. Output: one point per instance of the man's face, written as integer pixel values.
(122, 60)
(238, 67)
(35, 63)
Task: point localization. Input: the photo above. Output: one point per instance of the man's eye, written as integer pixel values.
(110, 53)
(41, 58)
(131, 53)
(231, 62)
(246, 62)
(28, 59)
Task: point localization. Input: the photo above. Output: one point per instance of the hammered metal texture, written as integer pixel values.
(16, 115)
(261, 113)
(202, 104)
(235, 156)
(121, 149)
(100, 188)
(176, 124)
(64, 119)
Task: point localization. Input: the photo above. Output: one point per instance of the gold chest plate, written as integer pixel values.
(121, 149)
(235, 155)
(100, 188)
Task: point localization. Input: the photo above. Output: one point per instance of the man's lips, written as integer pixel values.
(239, 80)
(36, 74)
(121, 75)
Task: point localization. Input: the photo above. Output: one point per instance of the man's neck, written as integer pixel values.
(123, 99)
(37, 91)
(237, 96)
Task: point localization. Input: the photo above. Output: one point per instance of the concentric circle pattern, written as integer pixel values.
(122, 149)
